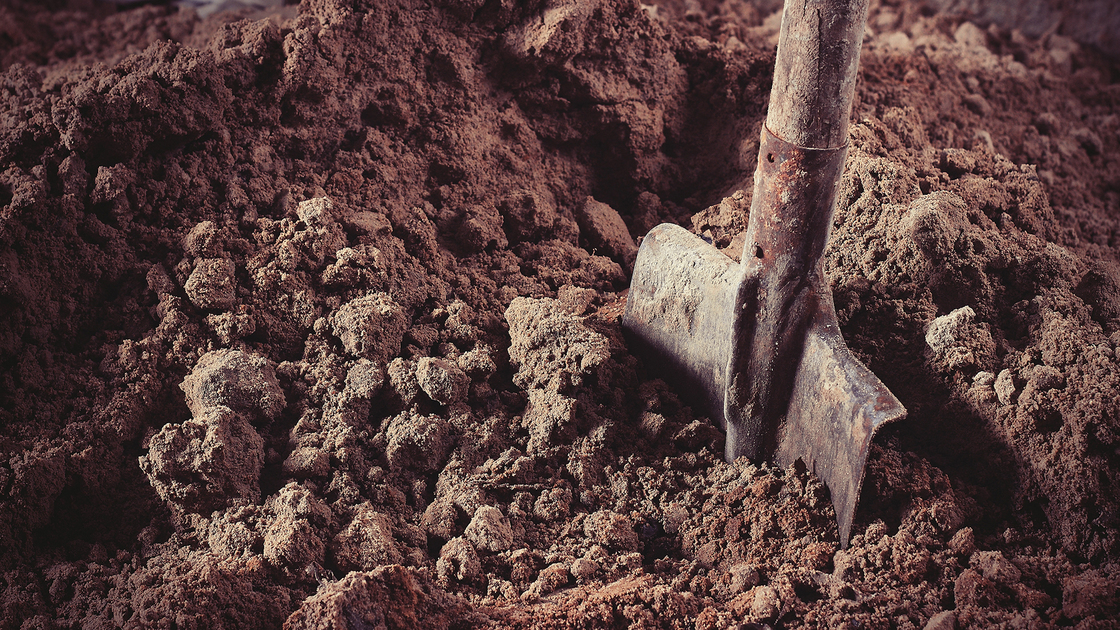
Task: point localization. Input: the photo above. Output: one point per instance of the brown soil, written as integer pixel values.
(312, 320)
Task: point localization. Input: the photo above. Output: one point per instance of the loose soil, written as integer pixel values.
(311, 319)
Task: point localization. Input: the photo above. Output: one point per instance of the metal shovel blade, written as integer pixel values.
(680, 310)
(758, 343)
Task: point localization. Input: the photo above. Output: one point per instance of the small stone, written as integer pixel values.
(944, 620)
(743, 577)
(490, 529)
(978, 104)
(212, 284)
(766, 604)
(1005, 387)
(970, 35)
(442, 380)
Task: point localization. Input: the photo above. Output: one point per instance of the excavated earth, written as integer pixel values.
(311, 319)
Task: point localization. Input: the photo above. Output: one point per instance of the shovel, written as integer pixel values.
(759, 342)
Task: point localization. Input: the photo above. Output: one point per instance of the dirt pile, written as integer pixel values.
(313, 320)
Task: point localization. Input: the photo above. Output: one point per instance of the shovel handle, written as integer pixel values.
(783, 294)
(815, 72)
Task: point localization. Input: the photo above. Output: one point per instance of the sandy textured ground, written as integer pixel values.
(311, 320)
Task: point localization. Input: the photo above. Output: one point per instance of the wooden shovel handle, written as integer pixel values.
(815, 72)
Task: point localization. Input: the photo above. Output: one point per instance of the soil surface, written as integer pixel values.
(312, 320)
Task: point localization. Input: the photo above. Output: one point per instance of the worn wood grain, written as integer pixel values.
(815, 72)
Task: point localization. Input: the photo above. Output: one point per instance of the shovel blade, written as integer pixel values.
(835, 410)
(679, 311)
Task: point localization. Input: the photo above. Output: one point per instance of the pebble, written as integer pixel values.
(1005, 387)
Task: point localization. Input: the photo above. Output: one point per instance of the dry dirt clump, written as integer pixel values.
(312, 320)
(206, 461)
